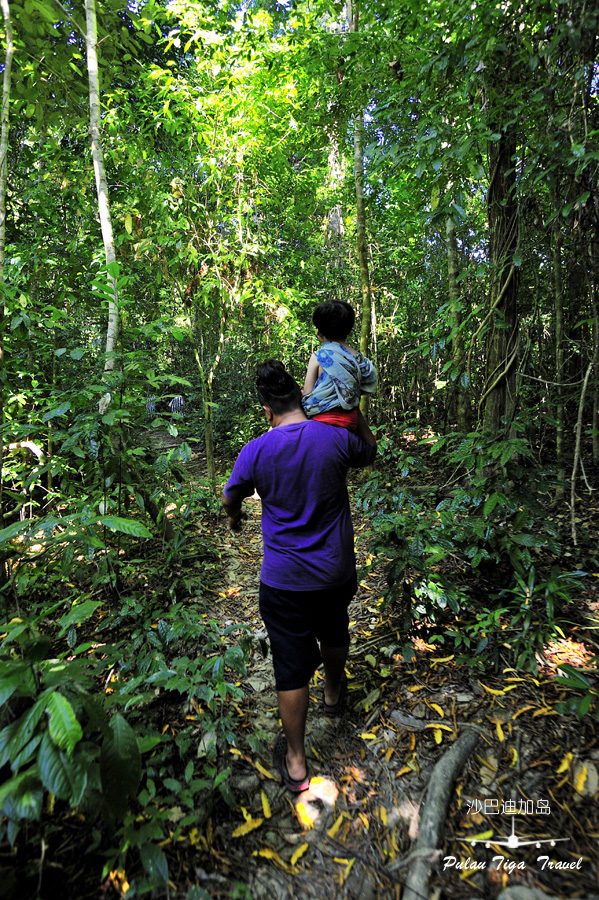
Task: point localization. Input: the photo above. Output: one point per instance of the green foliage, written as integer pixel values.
(101, 751)
(492, 525)
(584, 684)
(57, 742)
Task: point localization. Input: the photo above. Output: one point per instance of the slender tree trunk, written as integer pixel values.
(50, 445)
(335, 235)
(100, 173)
(558, 290)
(336, 163)
(579, 423)
(596, 419)
(462, 408)
(207, 390)
(3, 183)
(361, 244)
(499, 395)
(209, 406)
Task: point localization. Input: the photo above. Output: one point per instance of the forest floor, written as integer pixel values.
(528, 794)
(533, 773)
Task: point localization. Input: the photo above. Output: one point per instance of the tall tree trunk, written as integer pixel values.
(558, 290)
(8, 56)
(336, 164)
(91, 40)
(462, 407)
(335, 234)
(207, 388)
(361, 244)
(209, 403)
(499, 396)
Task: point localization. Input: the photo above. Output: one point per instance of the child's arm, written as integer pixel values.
(311, 375)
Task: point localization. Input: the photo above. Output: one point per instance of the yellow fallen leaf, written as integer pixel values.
(347, 869)
(545, 711)
(246, 815)
(234, 751)
(438, 735)
(513, 757)
(493, 691)
(416, 687)
(437, 659)
(368, 736)
(389, 753)
(364, 819)
(439, 725)
(265, 805)
(264, 771)
(303, 816)
(248, 826)
(412, 741)
(341, 860)
(524, 709)
(267, 853)
(299, 853)
(499, 729)
(581, 779)
(383, 815)
(404, 771)
(336, 826)
(438, 709)
(565, 764)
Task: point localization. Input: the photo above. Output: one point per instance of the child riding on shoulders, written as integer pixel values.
(337, 374)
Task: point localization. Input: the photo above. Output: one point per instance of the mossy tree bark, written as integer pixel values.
(8, 57)
(499, 396)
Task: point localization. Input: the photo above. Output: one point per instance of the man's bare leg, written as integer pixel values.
(293, 709)
(334, 659)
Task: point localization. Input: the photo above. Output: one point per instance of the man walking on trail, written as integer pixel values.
(308, 574)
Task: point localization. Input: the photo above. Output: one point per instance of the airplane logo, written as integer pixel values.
(512, 841)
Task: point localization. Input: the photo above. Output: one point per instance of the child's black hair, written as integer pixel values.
(277, 388)
(334, 319)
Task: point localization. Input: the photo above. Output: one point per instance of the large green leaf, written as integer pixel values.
(79, 612)
(57, 411)
(127, 526)
(65, 730)
(18, 734)
(154, 862)
(12, 677)
(21, 796)
(120, 766)
(59, 775)
(7, 534)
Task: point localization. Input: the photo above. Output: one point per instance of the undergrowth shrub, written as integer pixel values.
(117, 703)
(485, 521)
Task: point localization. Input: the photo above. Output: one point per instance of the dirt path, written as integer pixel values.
(533, 772)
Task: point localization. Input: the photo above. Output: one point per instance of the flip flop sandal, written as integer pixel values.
(336, 709)
(279, 759)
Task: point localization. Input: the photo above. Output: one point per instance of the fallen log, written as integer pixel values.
(434, 812)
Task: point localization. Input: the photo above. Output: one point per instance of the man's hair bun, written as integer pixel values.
(276, 387)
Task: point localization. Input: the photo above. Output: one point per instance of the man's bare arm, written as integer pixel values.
(233, 511)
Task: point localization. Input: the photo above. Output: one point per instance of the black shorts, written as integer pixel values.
(296, 621)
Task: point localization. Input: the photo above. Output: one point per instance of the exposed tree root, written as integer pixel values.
(433, 815)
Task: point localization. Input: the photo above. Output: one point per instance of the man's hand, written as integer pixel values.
(236, 521)
(234, 513)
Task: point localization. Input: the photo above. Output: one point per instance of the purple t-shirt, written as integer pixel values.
(299, 471)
